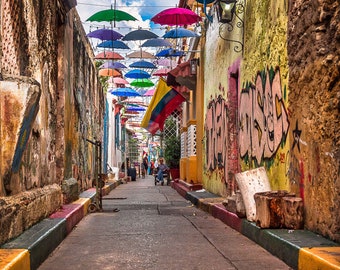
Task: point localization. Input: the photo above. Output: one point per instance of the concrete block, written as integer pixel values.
(319, 258)
(70, 190)
(73, 213)
(14, 259)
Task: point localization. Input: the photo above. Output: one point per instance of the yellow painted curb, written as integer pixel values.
(85, 202)
(319, 258)
(14, 259)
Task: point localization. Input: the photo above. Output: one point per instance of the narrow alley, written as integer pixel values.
(155, 228)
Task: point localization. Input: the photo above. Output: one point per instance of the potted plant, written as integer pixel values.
(172, 154)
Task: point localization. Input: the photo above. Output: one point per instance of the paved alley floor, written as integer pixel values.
(155, 228)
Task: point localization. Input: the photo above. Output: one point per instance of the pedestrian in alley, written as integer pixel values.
(145, 164)
(161, 170)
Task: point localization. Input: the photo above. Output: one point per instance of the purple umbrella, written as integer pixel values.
(111, 64)
(105, 34)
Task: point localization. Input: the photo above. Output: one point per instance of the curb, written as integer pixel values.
(299, 249)
(34, 245)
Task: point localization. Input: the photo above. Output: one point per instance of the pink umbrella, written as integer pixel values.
(161, 72)
(176, 16)
(109, 55)
(166, 63)
(118, 80)
(149, 92)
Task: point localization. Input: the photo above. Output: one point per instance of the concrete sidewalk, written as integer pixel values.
(300, 249)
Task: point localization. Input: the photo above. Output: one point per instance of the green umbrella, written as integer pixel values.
(142, 83)
(111, 15)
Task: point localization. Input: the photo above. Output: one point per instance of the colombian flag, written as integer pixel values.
(164, 101)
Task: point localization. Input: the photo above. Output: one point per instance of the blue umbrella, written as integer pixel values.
(156, 42)
(124, 92)
(139, 34)
(114, 65)
(169, 52)
(136, 109)
(143, 64)
(180, 33)
(137, 74)
(117, 44)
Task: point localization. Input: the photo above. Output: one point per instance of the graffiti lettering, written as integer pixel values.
(263, 117)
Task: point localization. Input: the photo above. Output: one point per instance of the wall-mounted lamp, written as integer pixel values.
(193, 66)
(227, 11)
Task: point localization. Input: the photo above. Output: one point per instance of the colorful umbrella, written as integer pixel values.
(166, 63)
(135, 109)
(140, 54)
(109, 55)
(111, 15)
(137, 74)
(156, 42)
(105, 34)
(118, 80)
(124, 92)
(169, 53)
(149, 93)
(116, 44)
(111, 64)
(161, 72)
(139, 34)
(180, 33)
(142, 83)
(109, 72)
(143, 64)
(176, 16)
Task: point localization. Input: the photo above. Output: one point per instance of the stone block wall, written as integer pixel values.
(50, 103)
(314, 97)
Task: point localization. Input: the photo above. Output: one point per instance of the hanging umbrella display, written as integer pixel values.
(166, 63)
(149, 93)
(180, 33)
(118, 80)
(124, 92)
(161, 72)
(169, 53)
(135, 109)
(113, 44)
(139, 34)
(156, 42)
(109, 72)
(111, 15)
(108, 55)
(142, 83)
(176, 16)
(140, 54)
(143, 64)
(105, 34)
(111, 64)
(137, 74)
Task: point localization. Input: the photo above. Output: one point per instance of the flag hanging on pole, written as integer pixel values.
(164, 101)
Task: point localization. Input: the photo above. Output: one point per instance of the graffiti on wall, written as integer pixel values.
(263, 118)
(216, 134)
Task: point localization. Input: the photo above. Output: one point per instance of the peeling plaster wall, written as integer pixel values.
(51, 102)
(314, 83)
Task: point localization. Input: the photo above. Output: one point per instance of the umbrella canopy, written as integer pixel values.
(176, 16)
(169, 53)
(105, 34)
(111, 15)
(118, 80)
(109, 55)
(166, 63)
(137, 74)
(109, 72)
(139, 34)
(124, 92)
(149, 92)
(142, 83)
(161, 72)
(142, 64)
(140, 54)
(111, 64)
(116, 44)
(156, 42)
(180, 33)
(135, 109)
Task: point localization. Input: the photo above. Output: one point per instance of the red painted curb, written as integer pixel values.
(231, 219)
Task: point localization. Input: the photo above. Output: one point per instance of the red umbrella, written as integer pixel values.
(161, 72)
(176, 16)
(109, 55)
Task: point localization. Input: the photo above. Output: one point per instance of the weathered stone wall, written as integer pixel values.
(50, 102)
(314, 97)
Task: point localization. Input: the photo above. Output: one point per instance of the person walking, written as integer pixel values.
(162, 169)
